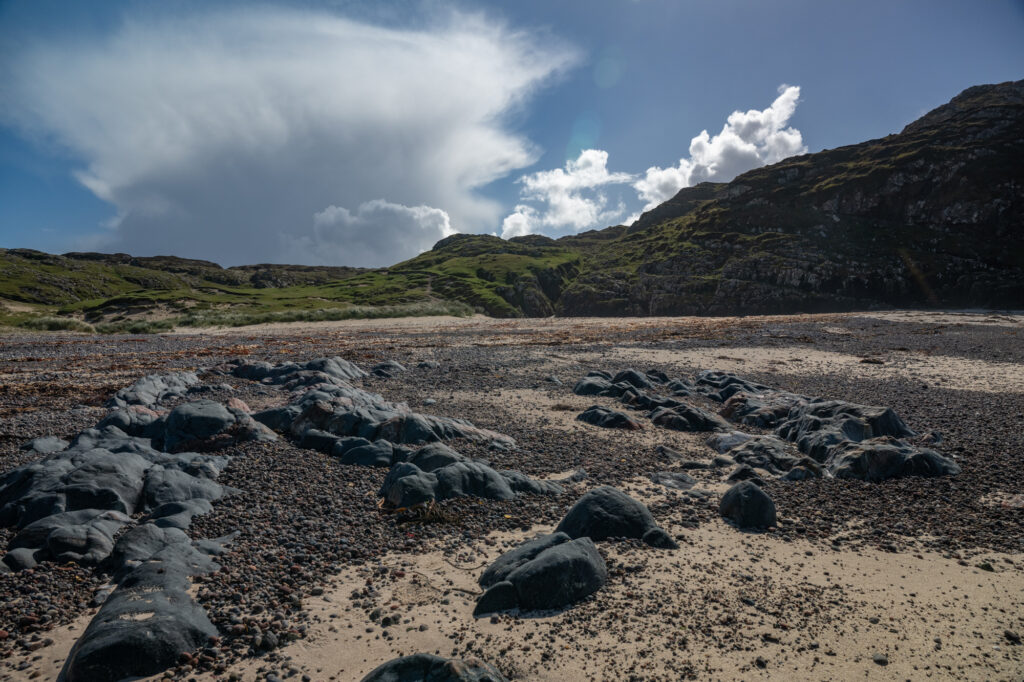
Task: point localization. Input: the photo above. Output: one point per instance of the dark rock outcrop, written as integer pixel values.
(608, 419)
(546, 573)
(608, 512)
(436, 472)
(746, 505)
(430, 668)
(878, 459)
(688, 418)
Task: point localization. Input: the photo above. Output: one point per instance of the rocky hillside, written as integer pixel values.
(928, 217)
(931, 216)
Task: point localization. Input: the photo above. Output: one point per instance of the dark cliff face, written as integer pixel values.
(933, 216)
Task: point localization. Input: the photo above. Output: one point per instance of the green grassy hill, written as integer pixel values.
(931, 216)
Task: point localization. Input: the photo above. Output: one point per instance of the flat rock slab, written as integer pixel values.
(673, 479)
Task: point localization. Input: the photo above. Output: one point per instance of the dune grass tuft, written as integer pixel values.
(224, 318)
(57, 324)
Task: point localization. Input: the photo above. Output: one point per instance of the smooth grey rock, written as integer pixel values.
(315, 439)
(45, 445)
(673, 479)
(633, 378)
(609, 419)
(153, 389)
(195, 421)
(880, 459)
(688, 418)
(172, 485)
(278, 418)
(510, 561)
(746, 505)
(377, 454)
(561, 574)
(591, 386)
(430, 668)
(607, 512)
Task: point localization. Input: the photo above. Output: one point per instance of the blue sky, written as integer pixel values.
(359, 133)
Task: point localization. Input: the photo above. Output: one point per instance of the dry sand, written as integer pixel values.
(928, 615)
(951, 372)
(1013, 320)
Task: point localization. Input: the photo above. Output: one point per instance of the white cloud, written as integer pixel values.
(748, 140)
(217, 135)
(378, 233)
(571, 200)
(570, 197)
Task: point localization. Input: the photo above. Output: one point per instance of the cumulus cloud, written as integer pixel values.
(571, 198)
(378, 233)
(218, 135)
(748, 140)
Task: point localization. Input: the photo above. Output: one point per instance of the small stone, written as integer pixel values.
(1009, 634)
(760, 662)
(880, 659)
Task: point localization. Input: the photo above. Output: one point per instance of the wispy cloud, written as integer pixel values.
(221, 134)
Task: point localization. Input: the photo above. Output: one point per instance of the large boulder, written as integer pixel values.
(430, 668)
(764, 410)
(135, 420)
(471, 479)
(746, 505)
(434, 456)
(513, 559)
(436, 472)
(406, 485)
(165, 485)
(278, 418)
(547, 573)
(608, 512)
